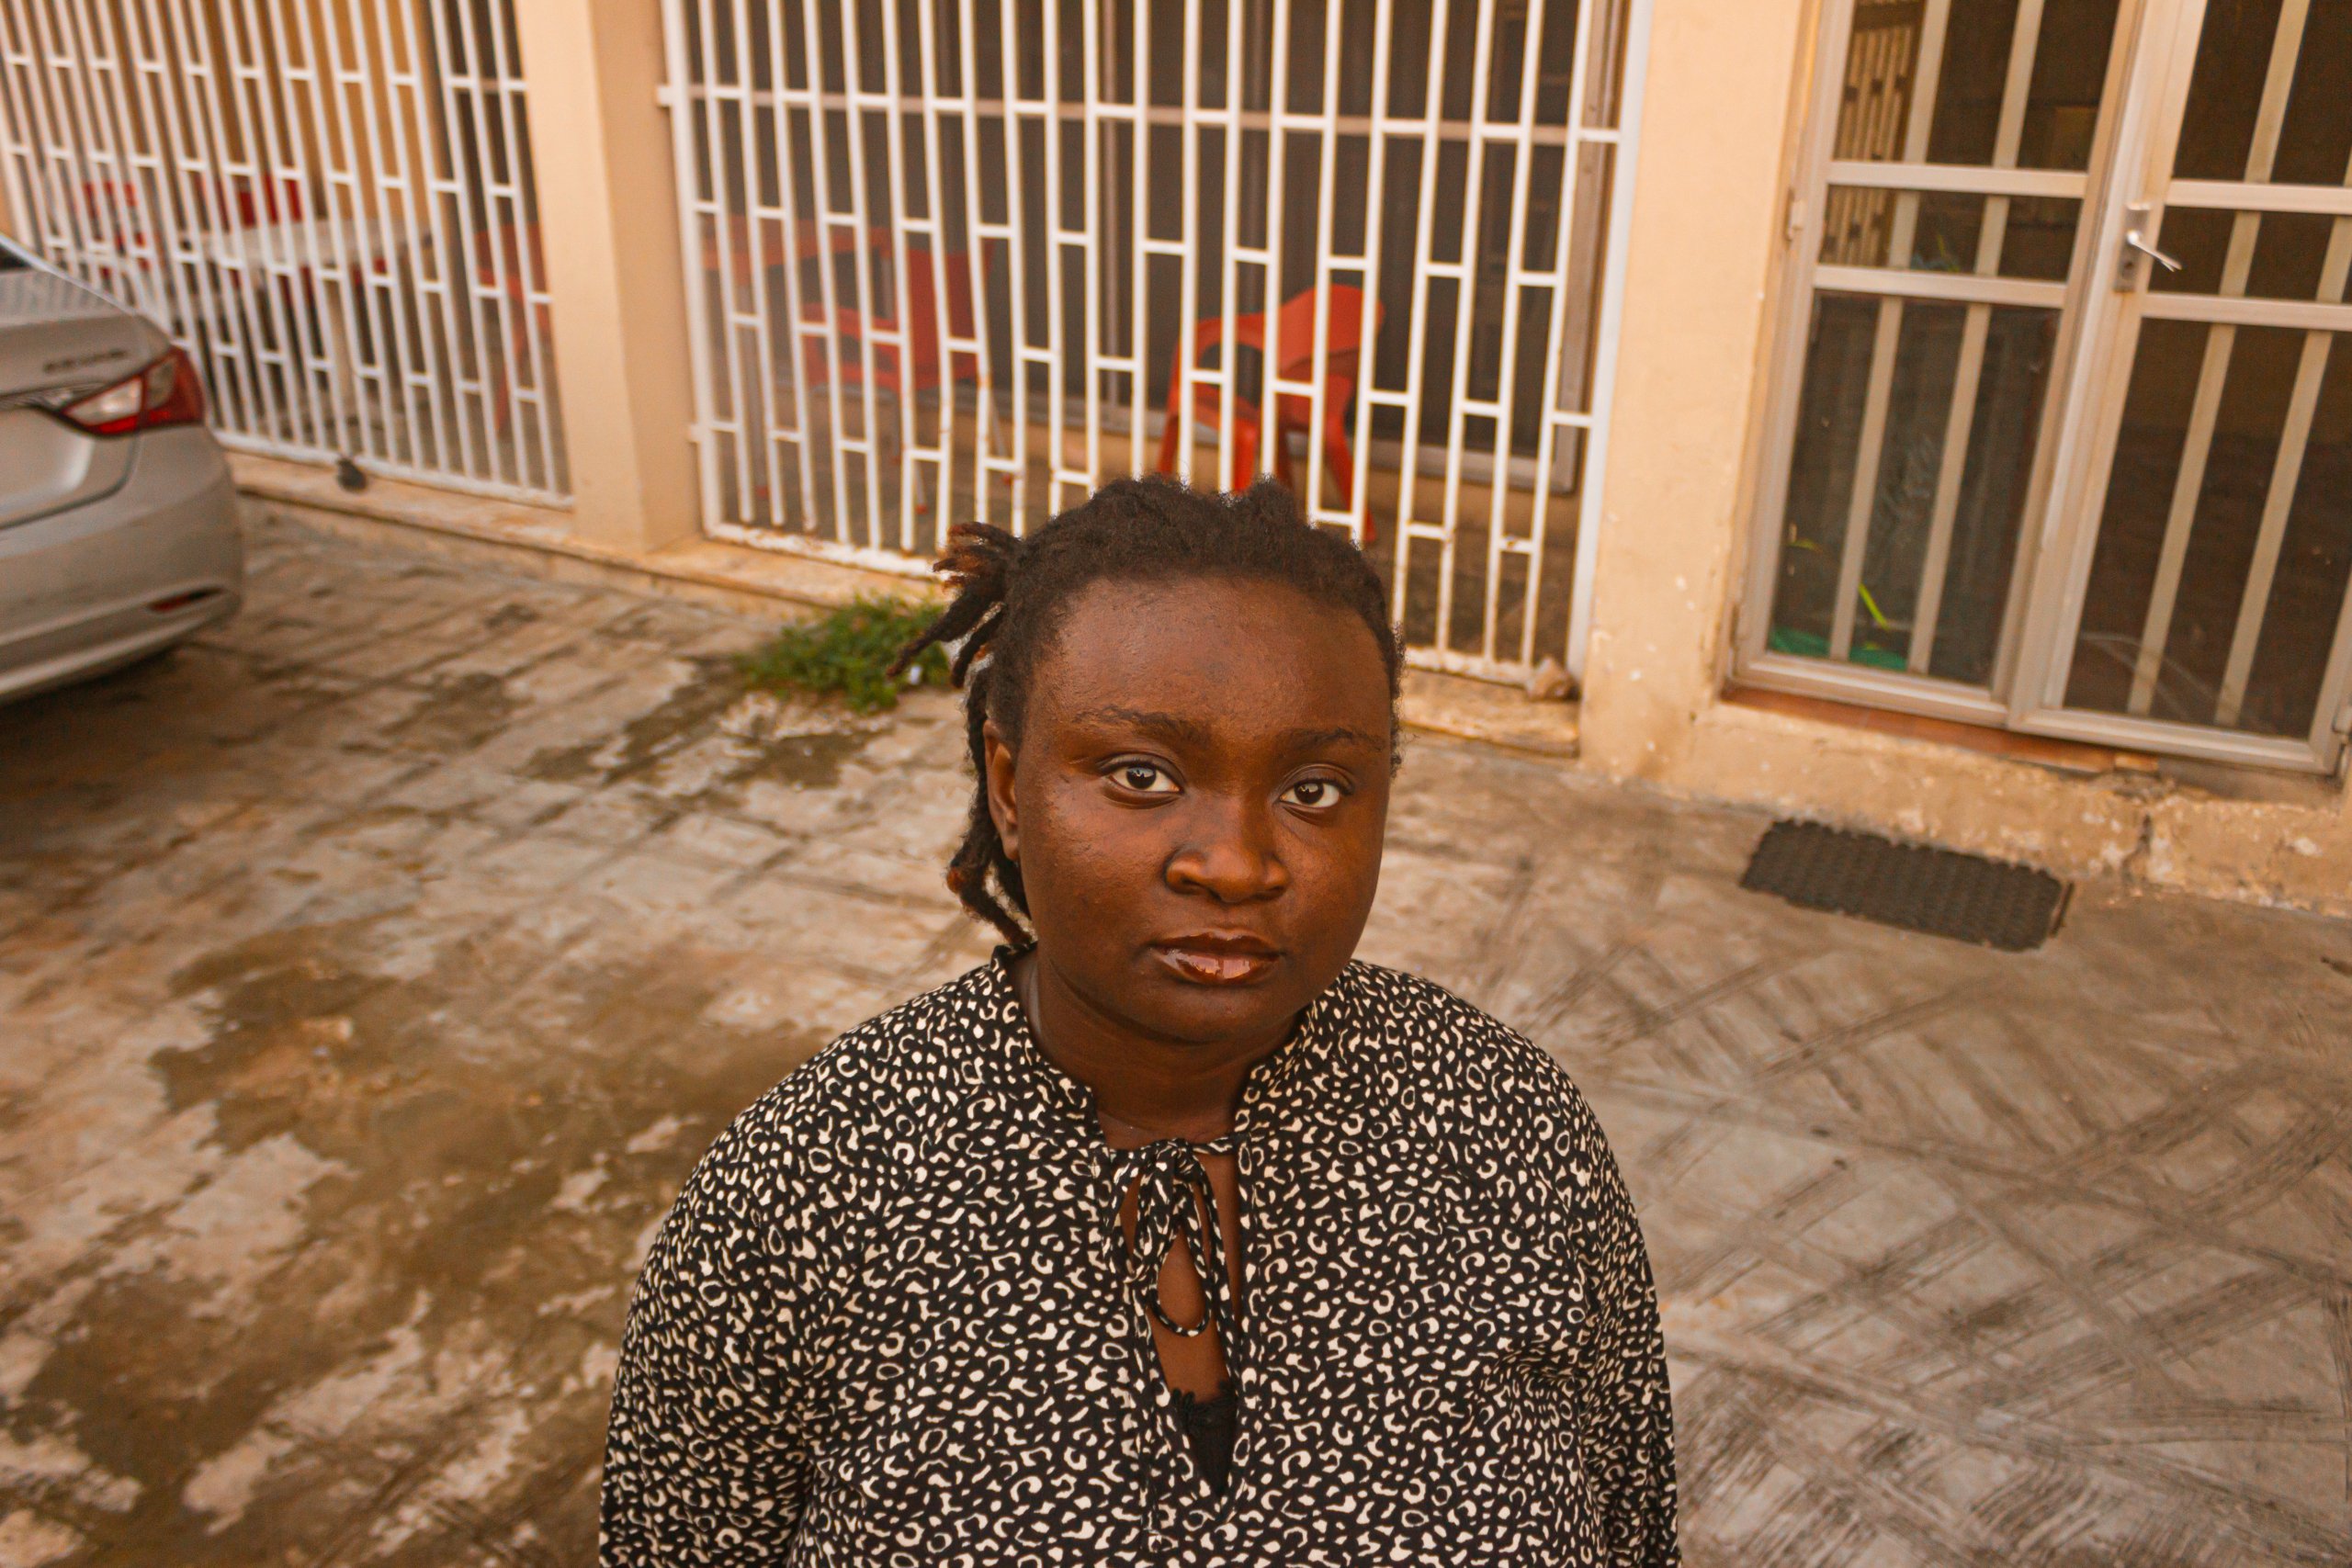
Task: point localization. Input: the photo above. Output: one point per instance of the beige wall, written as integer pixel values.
(608, 221)
(1707, 205)
(1718, 125)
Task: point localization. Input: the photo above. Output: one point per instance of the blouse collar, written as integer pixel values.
(1275, 1075)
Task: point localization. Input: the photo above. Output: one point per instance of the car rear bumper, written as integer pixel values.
(100, 586)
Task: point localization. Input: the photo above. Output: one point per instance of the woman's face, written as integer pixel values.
(1198, 801)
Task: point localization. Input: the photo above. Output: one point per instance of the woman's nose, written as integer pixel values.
(1229, 855)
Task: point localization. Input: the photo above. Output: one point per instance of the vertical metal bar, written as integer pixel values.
(488, 244)
(261, 162)
(384, 315)
(2212, 375)
(1507, 384)
(821, 229)
(975, 217)
(1961, 417)
(16, 149)
(1188, 289)
(684, 88)
(1375, 208)
(63, 231)
(436, 309)
(1140, 386)
(1463, 297)
(283, 157)
(902, 311)
(736, 235)
(236, 310)
(456, 250)
(1326, 138)
(508, 263)
(531, 297)
(751, 438)
(72, 67)
(145, 148)
(788, 202)
(934, 187)
(2286, 475)
(122, 134)
(1564, 270)
(1016, 213)
(340, 338)
(1049, 131)
(1862, 503)
(1229, 275)
(1097, 256)
(862, 254)
(1407, 478)
(1270, 357)
(158, 85)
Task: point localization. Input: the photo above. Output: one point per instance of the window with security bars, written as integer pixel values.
(328, 203)
(968, 258)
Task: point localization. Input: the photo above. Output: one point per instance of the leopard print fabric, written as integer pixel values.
(890, 1322)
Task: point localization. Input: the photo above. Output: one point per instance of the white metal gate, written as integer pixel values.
(962, 258)
(327, 202)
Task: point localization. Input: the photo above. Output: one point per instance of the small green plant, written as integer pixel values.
(845, 653)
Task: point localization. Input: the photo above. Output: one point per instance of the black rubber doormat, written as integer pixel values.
(1940, 892)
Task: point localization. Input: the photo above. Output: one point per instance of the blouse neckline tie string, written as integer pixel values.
(1174, 1201)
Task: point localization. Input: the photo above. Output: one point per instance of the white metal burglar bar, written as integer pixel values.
(327, 202)
(950, 259)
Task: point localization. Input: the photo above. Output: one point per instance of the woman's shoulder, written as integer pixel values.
(856, 1092)
(1437, 1045)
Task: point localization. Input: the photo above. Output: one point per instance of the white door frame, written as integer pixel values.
(2155, 107)
(2142, 103)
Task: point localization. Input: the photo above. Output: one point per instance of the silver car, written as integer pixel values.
(117, 517)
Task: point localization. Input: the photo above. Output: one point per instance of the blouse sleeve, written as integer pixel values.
(1624, 1420)
(703, 1462)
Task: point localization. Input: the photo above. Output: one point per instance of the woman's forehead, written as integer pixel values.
(1214, 652)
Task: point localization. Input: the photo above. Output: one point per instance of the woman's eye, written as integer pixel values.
(1312, 793)
(1145, 778)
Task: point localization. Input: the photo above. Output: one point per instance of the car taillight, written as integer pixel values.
(166, 393)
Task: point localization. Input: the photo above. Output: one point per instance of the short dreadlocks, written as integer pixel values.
(1013, 594)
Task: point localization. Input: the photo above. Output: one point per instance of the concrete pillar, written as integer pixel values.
(608, 227)
(1716, 123)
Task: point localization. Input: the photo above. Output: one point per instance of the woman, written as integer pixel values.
(1171, 1235)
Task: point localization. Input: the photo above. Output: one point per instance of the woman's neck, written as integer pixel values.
(1148, 1086)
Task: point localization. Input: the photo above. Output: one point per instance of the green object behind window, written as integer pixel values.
(1812, 645)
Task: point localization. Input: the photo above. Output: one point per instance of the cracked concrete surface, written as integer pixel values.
(371, 972)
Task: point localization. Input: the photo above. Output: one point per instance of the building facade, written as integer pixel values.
(1924, 415)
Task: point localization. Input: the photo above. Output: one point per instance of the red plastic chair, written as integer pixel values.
(1294, 361)
(920, 370)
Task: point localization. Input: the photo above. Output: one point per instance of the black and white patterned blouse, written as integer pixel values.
(892, 1323)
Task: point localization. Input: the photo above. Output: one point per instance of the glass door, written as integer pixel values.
(2198, 601)
(2065, 443)
(1939, 255)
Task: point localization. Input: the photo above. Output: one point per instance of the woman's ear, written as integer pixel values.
(999, 784)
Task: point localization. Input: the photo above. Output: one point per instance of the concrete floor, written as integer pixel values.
(371, 972)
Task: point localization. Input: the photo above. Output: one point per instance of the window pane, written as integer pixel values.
(2007, 353)
(2175, 664)
(1860, 225)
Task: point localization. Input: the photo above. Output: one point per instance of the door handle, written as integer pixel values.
(2135, 245)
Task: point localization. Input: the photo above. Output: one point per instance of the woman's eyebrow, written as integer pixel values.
(1164, 725)
(1335, 735)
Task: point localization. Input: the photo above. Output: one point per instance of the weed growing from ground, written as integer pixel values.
(845, 653)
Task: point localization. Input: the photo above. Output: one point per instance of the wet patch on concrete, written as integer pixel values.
(475, 1186)
(755, 736)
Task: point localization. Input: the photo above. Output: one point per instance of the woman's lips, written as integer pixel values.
(1208, 961)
